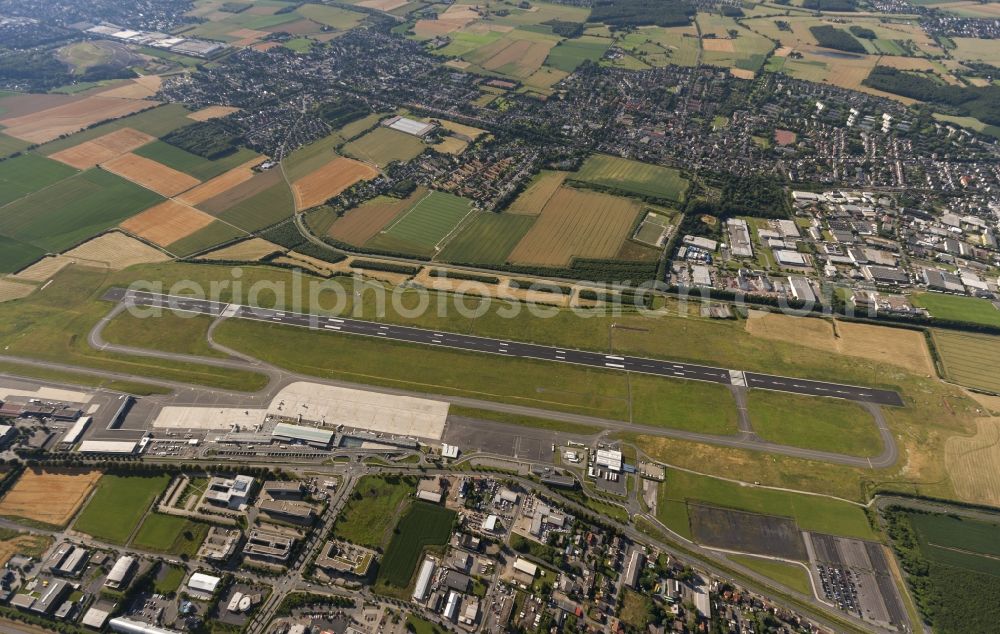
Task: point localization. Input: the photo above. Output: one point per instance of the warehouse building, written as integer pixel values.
(108, 446)
(424, 580)
(202, 584)
(120, 572)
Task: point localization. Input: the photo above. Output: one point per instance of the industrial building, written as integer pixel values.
(108, 446)
(120, 572)
(740, 244)
(609, 459)
(312, 436)
(409, 126)
(203, 584)
(424, 580)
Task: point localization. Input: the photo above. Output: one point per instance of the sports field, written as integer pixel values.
(362, 223)
(117, 506)
(72, 210)
(487, 239)
(577, 223)
(810, 512)
(959, 308)
(64, 491)
(374, 500)
(28, 173)
(970, 359)
(814, 423)
(170, 534)
(383, 145)
(423, 525)
(633, 177)
(422, 228)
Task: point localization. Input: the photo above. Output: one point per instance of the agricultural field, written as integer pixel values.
(822, 514)
(104, 148)
(329, 180)
(193, 165)
(747, 51)
(149, 174)
(969, 359)
(520, 54)
(814, 423)
(52, 123)
(422, 228)
(633, 177)
(220, 185)
(567, 55)
(374, 498)
(154, 122)
(340, 19)
(166, 223)
(383, 145)
(538, 192)
(577, 223)
(973, 463)
(959, 308)
(360, 224)
(169, 534)
(64, 492)
(487, 239)
(117, 506)
(960, 569)
(216, 233)
(115, 250)
(968, 49)
(72, 210)
(15, 255)
(9, 145)
(660, 46)
(423, 525)
(27, 174)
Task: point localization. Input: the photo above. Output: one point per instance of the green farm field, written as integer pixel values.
(340, 19)
(969, 359)
(73, 210)
(117, 506)
(814, 423)
(423, 525)
(486, 239)
(633, 177)
(424, 226)
(15, 255)
(154, 122)
(9, 144)
(201, 168)
(214, 234)
(810, 512)
(659, 46)
(569, 54)
(383, 145)
(374, 500)
(973, 310)
(171, 535)
(29, 173)
(270, 206)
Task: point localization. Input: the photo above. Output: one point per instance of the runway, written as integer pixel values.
(471, 343)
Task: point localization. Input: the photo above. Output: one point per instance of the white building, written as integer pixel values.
(424, 580)
(609, 459)
(205, 584)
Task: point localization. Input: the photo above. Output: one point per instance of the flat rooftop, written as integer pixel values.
(362, 409)
(208, 418)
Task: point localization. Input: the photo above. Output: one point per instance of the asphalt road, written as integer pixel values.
(471, 343)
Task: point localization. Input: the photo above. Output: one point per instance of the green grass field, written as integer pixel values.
(958, 308)
(633, 177)
(657, 46)
(340, 19)
(270, 206)
(171, 535)
(15, 255)
(170, 332)
(201, 168)
(169, 579)
(487, 239)
(969, 359)
(569, 54)
(814, 423)
(117, 506)
(73, 210)
(423, 525)
(424, 225)
(692, 405)
(29, 173)
(811, 512)
(792, 576)
(366, 518)
(214, 234)
(154, 122)
(383, 145)
(9, 145)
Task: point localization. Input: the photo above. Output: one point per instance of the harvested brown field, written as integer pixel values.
(361, 224)
(904, 348)
(30, 103)
(167, 222)
(43, 269)
(451, 145)
(524, 55)
(466, 132)
(718, 45)
(326, 182)
(24, 543)
(63, 490)
(456, 17)
(103, 148)
(383, 5)
(533, 199)
(139, 88)
(212, 112)
(147, 173)
(973, 463)
(115, 250)
(265, 46)
(576, 223)
(742, 73)
(249, 250)
(49, 124)
(237, 194)
(10, 289)
(220, 184)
